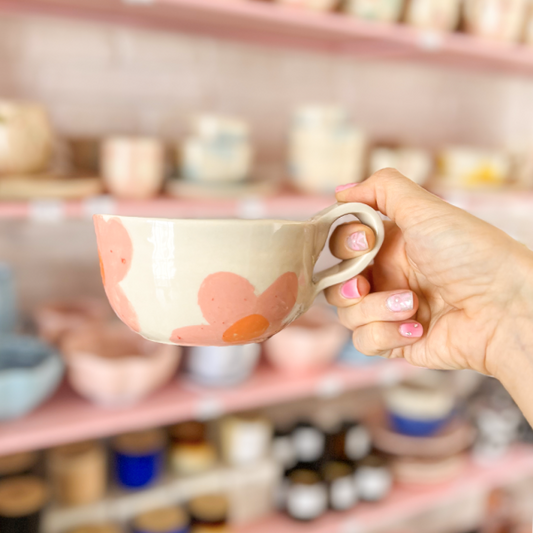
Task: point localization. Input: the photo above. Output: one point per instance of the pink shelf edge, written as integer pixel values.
(66, 417)
(406, 502)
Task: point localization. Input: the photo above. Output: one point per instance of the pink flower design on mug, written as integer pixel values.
(235, 314)
(115, 251)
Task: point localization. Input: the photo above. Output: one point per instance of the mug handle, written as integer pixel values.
(348, 269)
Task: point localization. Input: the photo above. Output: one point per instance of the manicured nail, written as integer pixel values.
(357, 241)
(350, 290)
(400, 302)
(344, 187)
(411, 329)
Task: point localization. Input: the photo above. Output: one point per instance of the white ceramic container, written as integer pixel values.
(437, 15)
(376, 10)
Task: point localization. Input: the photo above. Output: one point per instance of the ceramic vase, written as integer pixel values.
(414, 163)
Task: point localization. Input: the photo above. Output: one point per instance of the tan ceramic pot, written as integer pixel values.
(113, 367)
(378, 10)
(26, 138)
(438, 15)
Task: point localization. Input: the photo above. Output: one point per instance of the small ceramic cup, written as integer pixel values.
(309, 344)
(133, 167)
(113, 367)
(375, 10)
(30, 371)
(242, 281)
(437, 15)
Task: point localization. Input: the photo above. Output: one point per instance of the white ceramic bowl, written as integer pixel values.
(30, 372)
(113, 367)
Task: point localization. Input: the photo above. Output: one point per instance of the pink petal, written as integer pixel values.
(122, 306)
(278, 300)
(198, 336)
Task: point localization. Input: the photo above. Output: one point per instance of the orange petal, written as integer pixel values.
(278, 300)
(248, 328)
(102, 271)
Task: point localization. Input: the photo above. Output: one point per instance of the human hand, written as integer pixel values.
(446, 290)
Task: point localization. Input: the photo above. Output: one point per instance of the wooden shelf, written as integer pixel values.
(271, 24)
(67, 417)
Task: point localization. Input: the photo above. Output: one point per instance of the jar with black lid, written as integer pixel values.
(373, 477)
(339, 478)
(309, 444)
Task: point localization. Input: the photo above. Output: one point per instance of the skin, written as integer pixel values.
(471, 287)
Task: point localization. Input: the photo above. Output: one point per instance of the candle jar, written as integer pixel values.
(309, 443)
(438, 15)
(502, 20)
(245, 439)
(378, 10)
(352, 442)
(18, 464)
(21, 502)
(342, 491)
(190, 452)
(139, 458)
(78, 472)
(373, 478)
(209, 514)
(164, 520)
(307, 495)
(133, 167)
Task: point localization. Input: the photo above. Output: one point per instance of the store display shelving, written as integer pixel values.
(66, 417)
(268, 23)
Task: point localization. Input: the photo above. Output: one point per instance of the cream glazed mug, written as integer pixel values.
(220, 282)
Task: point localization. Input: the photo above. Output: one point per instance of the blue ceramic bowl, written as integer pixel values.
(417, 427)
(30, 372)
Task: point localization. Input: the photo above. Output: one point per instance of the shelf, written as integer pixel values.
(407, 502)
(66, 417)
(271, 24)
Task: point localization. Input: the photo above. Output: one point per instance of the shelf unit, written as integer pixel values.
(268, 23)
(67, 417)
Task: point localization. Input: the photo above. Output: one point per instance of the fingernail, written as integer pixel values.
(357, 241)
(350, 290)
(400, 302)
(411, 329)
(344, 187)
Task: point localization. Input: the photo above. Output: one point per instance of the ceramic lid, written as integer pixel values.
(21, 496)
(140, 443)
(73, 453)
(209, 508)
(188, 432)
(18, 462)
(164, 520)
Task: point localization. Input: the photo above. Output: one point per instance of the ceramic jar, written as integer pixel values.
(427, 471)
(325, 149)
(218, 152)
(245, 439)
(377, 10)
(373, 478)
(209, 514)
(221, 366)
(26, 138)
(438, 15)
(309, 443)
(163, 520)
(306, 495)
(114, 367)
(97, 528)
(342, 491)
(502, 20)
(315, 5)
(8, 300)
(351, 442)
(310, 344)
(414, 163)
(18, 464)
(56, 319)
(133, 167)
(78, 472)
(30, 371)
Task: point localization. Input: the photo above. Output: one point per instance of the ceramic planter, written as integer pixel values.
(438, 15)
(26, 138)
(309, 344)
(30, 372)
(113, 367)
(415, 163)
(133, 167)
(378, 10)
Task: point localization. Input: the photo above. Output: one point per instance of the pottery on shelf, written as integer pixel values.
(113, 367)
(309, 344)
(133, 167)
(373, 478)
(437, 15)
(375, 10)
(162, 520)
(56, 319)
(428, 471)
(30, 371)
(415, 163)
(49, 186)
(27, 138)
(315, 5)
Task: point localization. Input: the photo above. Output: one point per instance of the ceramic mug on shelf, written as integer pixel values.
(220, 282)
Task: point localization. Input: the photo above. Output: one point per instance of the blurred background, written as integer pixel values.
(249, 109)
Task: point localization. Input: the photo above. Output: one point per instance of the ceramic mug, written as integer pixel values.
(220, 282)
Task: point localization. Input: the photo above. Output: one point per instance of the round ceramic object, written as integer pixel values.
(309, 344)
(18, 463)
(209, 510)
(30, 372)
(306, 495)
(221, 366)
(376, 10)
(133, 167)
(164, 520)
(113, 367)
(438, 15)
(56, 319)
(97, 528)
(373, 478)
(342, 490)
(415, 163)
(26, 188)
(416, 471)
(27, 138)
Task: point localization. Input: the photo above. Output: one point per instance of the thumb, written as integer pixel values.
(394, 195)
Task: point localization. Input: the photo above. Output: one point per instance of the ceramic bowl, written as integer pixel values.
(416, 471)
(309, 344)
(56, 319)
(113, 367)
(30, 372)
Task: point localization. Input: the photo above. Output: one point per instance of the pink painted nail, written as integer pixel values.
(344, 187)
(350, 290)
(357, 241)
(411, 329)
(400, 302)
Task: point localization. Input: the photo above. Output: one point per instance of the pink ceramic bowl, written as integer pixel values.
(113, 367)
(309, 344)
